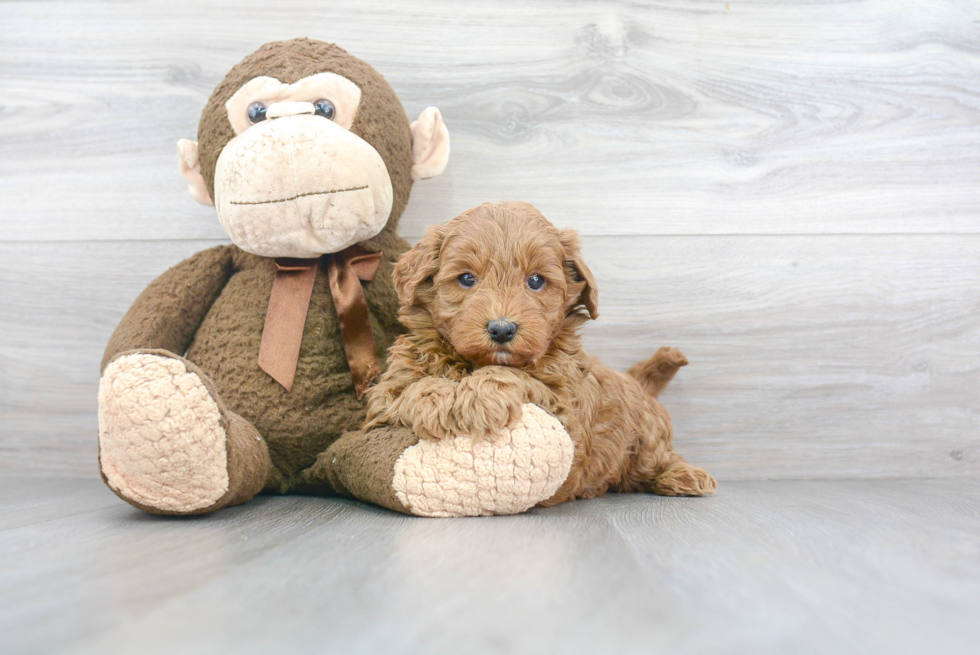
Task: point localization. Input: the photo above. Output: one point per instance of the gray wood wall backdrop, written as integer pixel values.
(787, 191)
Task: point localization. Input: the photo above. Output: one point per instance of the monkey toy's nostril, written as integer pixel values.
(281, 109)
(501, 331)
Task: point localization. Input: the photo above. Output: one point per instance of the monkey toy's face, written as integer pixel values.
(295, 181)
(293, 176)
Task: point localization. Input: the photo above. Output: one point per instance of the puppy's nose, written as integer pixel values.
(501, 331)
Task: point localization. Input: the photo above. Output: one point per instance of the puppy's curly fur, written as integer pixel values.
(447, 376)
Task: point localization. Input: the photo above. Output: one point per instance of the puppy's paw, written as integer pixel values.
(488, 401)
(428, 408)
(682, 479)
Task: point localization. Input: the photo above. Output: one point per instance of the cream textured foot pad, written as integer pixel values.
(503, 474)
(160, 435)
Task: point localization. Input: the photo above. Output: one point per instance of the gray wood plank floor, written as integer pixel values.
(787, 191)
(764, 567)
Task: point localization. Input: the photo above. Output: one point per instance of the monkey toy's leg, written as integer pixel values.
(167, 444)
(505, 473)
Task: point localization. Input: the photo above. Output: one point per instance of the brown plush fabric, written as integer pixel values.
(168, 312)
(223, 339)
(360, 464)
(302, 423)
(380, 120)
(249, 465)
(211, 309)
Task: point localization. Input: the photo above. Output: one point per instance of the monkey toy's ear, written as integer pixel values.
(430, 145)
(190, 169)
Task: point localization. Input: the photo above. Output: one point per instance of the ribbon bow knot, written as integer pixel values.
(290, 301)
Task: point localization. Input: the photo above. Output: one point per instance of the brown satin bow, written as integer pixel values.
(290, 301)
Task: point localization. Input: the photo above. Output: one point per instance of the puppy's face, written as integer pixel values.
(498, 282)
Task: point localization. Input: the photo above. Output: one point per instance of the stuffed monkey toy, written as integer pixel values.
(242, 369)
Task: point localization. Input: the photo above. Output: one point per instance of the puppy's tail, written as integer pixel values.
(655, 373)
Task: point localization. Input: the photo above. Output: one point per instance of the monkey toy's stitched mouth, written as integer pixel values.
(300, 195)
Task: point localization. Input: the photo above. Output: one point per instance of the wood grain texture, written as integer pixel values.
(627, 118)
(789, 192)
(832, 356)
(763, 567)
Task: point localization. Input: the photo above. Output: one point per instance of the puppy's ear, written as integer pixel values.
(418, 265)
(581, 284)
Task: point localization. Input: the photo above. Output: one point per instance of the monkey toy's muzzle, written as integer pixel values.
(280, 192)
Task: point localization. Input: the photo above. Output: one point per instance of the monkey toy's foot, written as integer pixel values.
(165, 443)
(506, 473)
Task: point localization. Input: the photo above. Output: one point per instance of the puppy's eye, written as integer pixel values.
(256, 112)
(535, 282)
(467, 280)
(324, 108)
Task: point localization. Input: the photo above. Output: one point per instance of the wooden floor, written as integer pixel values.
(788, 191)
(764, 567)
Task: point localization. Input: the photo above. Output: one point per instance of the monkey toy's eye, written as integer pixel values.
(324, 108)
(535, 282)
(256, 112)
(467, 280)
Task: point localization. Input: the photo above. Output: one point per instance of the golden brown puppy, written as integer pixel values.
(493, 300)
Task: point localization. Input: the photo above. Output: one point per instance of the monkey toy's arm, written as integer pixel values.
(169, 311)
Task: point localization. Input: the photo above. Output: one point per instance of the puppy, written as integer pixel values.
(493, 300)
